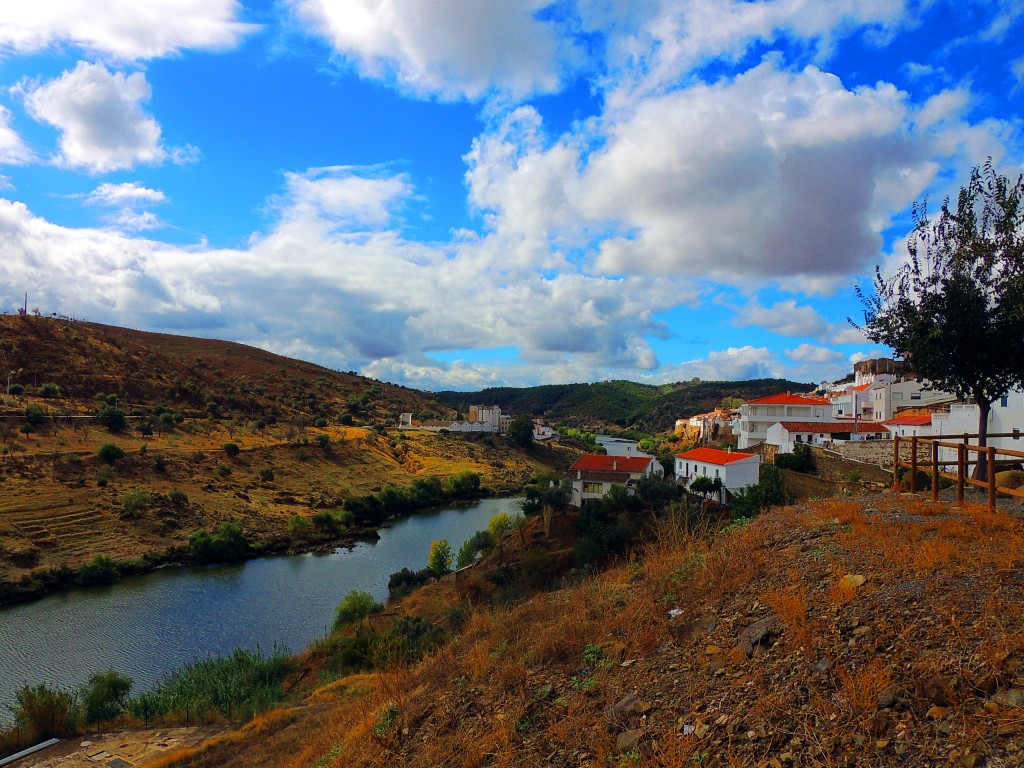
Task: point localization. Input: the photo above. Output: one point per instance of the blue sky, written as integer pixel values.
(470, 193)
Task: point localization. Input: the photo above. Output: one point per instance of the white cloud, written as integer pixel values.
(100, 116)
(447, 48)
(125, 29)
(785, 318)
(1017, 68)
(809, 353)
(13, 151)
(128, 193)
(732, 364)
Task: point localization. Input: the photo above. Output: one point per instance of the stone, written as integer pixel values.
(888, 697)
(821, 666)
(713, 650)
(936, 712)
(971, 760)
(936, 689)
(695, 628)
(627, 740)
(1014, 697)
(852, 580)
(620, 711)
(881, 743)
(761, 633)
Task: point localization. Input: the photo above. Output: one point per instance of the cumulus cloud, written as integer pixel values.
(128, 202)
(13, 151)
(354, 296)
(785, 318)
(100, 116)
(125, 29)
(732, 364)
(809, 353)
(447, 48)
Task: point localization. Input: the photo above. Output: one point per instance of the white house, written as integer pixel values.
(891, 397)
(787, 435)
(736, 470)
(855, 401)
(756, 416)
(919, 424)
(593, 475)
(1006, 417)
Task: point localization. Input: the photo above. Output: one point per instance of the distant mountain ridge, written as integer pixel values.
(620, 404)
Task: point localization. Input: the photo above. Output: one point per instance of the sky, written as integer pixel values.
(457, 194)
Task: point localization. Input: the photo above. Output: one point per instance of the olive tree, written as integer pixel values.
(955, 309)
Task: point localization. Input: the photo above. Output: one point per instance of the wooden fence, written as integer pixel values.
(963, 464)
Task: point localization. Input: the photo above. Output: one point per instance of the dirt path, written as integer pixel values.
(125, 749)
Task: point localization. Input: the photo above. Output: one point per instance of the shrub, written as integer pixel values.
(178, 497)
(160, 464)
(355, 606)
(136, 500)
(800, 460)
(112, 418)
(439, 561)
(499, 525)
(46, 712)
(324, 441)
(15, 389)
(226, 543)
(109, 453)
(100, 570)
(232, 449)
(48, 389)
(298, 525)
(105, 696)
(266, 475)
(224, 471)
(320, 423)
(34, 415)
(405, 581)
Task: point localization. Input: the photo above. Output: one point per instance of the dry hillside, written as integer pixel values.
(184, 400)
(870, 631)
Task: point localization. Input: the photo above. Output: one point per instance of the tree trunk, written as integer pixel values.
(984, 408)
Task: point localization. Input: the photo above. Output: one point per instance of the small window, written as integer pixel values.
(716, 473)
(1004, 401)
(799, 438)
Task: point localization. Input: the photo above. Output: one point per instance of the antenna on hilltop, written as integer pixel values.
(24, 310)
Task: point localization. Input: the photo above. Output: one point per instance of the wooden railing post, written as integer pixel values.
(961, 471)
(895, 463)
(913, 463)
(935, 471)
(991, 452)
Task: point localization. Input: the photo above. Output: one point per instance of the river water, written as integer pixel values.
(145, 626)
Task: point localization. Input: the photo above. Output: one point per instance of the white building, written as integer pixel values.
(594, 475)
(736, 470)
(889, 398)
(757, 415)
(919, 424)
(855, 401)
(787, 435)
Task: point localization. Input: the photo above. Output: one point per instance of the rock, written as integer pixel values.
(936, 712)
(622, 710)
(1011, 698)
(627, 740)
(716, 664)
(881, 743)
(937, 690)
(695, 628)
(860, 631)
(1011, 479)
(888, 697)
(971, 760)
(761, 633)
(852, 580)
(880, 723)
(821, 667)
(713, 650)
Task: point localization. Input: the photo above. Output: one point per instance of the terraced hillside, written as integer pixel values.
(305, 438)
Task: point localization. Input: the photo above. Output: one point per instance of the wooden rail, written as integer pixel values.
(963, 464)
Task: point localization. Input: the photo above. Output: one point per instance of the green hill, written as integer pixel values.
(619, 404)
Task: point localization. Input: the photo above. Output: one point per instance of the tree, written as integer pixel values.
(439, 561)
(520, 432)
(105, 696)
(955, 309)
(112, 418)
(355, 606)
(706, 486)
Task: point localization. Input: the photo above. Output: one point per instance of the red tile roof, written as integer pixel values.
(596, 462)
(862, 387)
(914, 420)
(830, 427)
(785, 399)
(714, 456)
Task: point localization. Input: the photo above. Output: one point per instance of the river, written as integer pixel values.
(145, 626)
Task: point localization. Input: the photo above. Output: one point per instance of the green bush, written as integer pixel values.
(110, 452)
(800, 460)
(34, 415)
(232, 449)
(100, 570)
(46, 712)
(178, 497)
(224, 470)
(325, 522)
(355, 606)
(439, 561)
(136, 500)
(15, 389)
(112, 418)
(266, 475)
(48, 389)
(105, 696)
(225, 544)
(320, 423)
(298, 525)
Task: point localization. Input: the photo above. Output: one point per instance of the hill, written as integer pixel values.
(620, 404)
(305, 439)
(876, 630)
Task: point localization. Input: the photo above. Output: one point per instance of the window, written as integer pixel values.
(716, 473)
(1004, 401)
(799, 438)
(593, 488)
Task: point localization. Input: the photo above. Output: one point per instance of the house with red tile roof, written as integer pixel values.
(593, 475)
(736, 470)
(756, 416)
(787, 435)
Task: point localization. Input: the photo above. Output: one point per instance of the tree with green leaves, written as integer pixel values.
(439, 561)
(520, 432)
(706, 486)
(955, 309)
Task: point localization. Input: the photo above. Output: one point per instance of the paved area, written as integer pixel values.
(125, 749)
